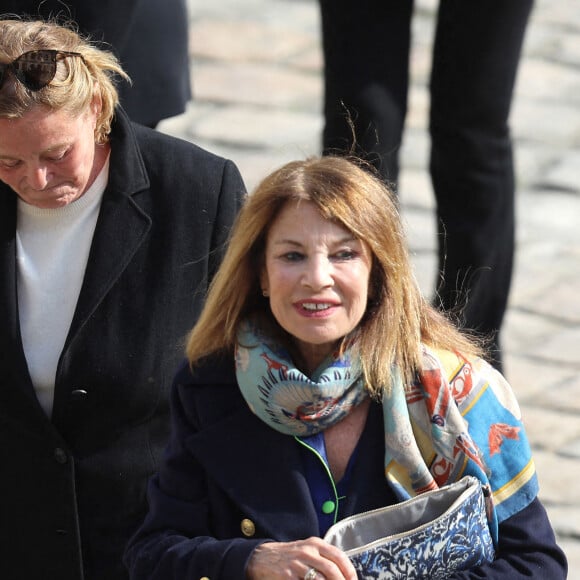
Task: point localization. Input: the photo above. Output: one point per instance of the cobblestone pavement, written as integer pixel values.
(258, 88)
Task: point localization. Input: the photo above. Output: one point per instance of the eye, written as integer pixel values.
(9, 163)
(292, 256)
(345, 254)
(57, 156)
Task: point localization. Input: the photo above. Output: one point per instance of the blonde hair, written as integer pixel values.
(78, 80)
(398, 319)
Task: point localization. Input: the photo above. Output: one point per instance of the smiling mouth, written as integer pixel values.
(316, 307)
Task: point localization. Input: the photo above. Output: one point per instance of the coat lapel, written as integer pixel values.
(121, 228)
(122, 225)
(269, 485)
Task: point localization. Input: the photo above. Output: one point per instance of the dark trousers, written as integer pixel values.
(475, 58)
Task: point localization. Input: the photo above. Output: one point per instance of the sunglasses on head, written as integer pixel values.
(36, 68)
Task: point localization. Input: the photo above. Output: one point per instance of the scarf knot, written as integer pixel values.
(284, 397)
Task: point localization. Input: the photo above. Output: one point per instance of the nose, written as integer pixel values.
(318, 273)
(37, 176)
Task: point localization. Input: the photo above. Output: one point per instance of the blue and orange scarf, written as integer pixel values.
(460, 417)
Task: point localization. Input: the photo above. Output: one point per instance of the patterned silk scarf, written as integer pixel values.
(458, 418)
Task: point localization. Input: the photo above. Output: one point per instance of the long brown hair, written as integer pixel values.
(398, 318)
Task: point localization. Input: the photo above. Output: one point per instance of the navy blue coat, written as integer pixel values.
(73, 488)
(229, 482)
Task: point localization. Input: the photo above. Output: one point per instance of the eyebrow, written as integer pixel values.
(55, 148)
(49, 151)
(344, 240)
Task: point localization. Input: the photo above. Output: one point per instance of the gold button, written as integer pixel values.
(248, 528)
(204, 578)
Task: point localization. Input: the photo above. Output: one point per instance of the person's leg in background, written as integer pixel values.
(366, 59)
(476, 54)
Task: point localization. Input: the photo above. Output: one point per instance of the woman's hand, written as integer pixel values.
(293, 560)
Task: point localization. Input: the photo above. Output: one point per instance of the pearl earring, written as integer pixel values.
(265, 293)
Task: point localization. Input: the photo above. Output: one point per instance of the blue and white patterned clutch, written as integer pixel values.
(428, 537)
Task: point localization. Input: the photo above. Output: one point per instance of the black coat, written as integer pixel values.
(149, 37)
(76, 484)
(229, 482)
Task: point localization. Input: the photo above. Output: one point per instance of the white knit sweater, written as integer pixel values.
(52, 250)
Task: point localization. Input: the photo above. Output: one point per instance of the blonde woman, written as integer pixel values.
(110, 234)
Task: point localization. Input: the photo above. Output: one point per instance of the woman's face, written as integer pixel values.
(49, 157)
(317, 277)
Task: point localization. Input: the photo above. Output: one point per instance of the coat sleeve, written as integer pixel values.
(175, 541)
(230, 198)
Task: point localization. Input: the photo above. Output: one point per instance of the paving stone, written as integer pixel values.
(549, 216)
(547, 122)
(414, 152)
(572, 450)
(416, 191)
(560, 16)
(425, 272)
(545, 80)
(533, 160)
(524, 330)
(258, 84)
(254, 127)
(557, 475)
(420, 231)
(238, 41)
(563, 346)
(550, 430)
(565, 397)
(566, 173)
(418, 113)
(531, 378)
(543, 271)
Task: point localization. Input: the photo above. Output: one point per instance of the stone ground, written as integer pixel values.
(257, 78)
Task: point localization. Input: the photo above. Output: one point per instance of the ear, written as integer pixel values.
(96, 104)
